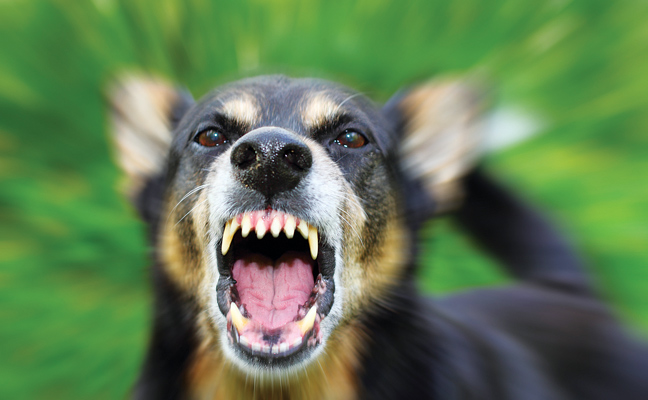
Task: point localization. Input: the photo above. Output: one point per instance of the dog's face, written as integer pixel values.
(293, 214)
(282, 217)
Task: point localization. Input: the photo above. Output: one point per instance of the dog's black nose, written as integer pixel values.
(270, 160)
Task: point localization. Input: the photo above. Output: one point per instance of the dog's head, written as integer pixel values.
(283, 208)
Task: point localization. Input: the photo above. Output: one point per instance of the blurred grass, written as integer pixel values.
(75, 302)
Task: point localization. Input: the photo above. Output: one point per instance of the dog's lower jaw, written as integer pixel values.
(331, 375)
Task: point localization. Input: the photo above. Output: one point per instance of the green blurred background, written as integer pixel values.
(74, 296)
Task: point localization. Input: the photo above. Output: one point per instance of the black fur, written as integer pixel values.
(546, 337)
(171, 345)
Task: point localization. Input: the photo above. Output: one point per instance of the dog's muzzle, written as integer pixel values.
(276, 269)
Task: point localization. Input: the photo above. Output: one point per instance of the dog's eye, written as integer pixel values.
(210, 138)
(351, 138)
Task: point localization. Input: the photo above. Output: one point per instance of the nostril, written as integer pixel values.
(244, 156)
(298, 158)
(270, 161)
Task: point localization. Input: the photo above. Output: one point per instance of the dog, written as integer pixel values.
(284, 217)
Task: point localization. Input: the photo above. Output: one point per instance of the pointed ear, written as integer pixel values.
(441, 132)
(143, 113)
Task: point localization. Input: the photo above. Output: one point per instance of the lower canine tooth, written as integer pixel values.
(306, 323)
(312, 241)
(243, 340)
(239, 321)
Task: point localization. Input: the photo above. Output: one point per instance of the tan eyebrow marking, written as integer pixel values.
(319, 109)
(243, 108)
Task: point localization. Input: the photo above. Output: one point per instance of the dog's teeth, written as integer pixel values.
(275, 349)
(256, 347)
(227, 238)
(265, 348)
(275, 228)
(246, 225)
(289, 226)
(243, 340)
(260, 229)
(296, 342)
(238, 320)
(234, 226)
(312, 241)
(303, 229)
(306, 323)
(283, 347)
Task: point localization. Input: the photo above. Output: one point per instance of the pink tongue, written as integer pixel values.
(272, 293)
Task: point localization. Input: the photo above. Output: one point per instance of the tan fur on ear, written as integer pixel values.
(442, 138)
(141, 127)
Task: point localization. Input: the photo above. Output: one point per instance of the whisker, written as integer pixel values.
(352, 228)
(190, 211)
(192, 191)
(347, 99)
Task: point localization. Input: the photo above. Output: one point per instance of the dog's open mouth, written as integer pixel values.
(276, 283)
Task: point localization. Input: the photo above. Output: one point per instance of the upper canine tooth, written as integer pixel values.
(238, 320)
(289, 226)
(246, 225)
(312, 241)
(260, 229)
(227, 238)
(275, 228)
(303, 228)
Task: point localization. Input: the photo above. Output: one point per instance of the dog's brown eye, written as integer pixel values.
(351, 138)
(211, 138)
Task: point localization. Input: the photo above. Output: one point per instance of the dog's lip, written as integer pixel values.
(314, 310)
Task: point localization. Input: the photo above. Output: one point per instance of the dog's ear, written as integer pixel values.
(440, 128)
(143, 113)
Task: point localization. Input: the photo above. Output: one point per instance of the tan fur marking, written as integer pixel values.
(319, 108)
(242, 108)
(184, 269)
(368, 281)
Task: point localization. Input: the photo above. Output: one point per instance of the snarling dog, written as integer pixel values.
(284, 216)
